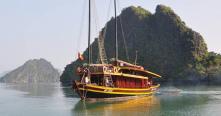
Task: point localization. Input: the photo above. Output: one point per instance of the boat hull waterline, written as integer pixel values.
(93, 91)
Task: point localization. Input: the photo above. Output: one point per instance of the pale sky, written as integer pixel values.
(50, 29)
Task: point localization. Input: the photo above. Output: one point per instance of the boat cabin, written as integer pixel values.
(117, 76)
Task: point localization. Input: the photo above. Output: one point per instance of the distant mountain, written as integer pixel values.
(33, 71)
(3, 73)
(165, 45)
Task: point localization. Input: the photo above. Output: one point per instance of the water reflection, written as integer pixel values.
(35, 90)
(183, 105)
(137, 106)
(69, 92)
(166, 105)
(52, 99)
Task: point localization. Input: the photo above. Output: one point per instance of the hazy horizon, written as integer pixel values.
(49, 29)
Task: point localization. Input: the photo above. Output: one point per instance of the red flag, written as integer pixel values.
(80, 56)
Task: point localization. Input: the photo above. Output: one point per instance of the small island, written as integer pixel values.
(33, 71)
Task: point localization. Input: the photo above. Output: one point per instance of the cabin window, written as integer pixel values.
(97, 80)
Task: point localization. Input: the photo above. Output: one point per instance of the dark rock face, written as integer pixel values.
(164, 43)
(33, 71)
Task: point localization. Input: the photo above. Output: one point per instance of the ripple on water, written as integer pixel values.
(202, 92)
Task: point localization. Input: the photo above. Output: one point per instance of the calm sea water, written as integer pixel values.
(54, 100)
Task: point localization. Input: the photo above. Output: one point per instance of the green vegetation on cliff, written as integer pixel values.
(164, 43)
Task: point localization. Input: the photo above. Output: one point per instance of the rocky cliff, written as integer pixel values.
(165, 45)
(33, 71)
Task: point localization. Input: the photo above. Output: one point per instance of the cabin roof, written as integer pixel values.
(100, 65)
(121, 74)
(145, 71)
(128, 68)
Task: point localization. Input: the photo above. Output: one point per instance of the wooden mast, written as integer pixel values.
(116, 41)
(89, 33)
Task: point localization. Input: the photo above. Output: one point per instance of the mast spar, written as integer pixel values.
(116, 41)
(89, 33)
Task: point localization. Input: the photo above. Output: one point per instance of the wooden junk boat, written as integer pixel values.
(115, 79)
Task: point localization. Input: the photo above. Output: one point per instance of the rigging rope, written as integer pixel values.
(108, 15)
(123, 34)
(78, 46)
(96, 21)
(102, 54)
(96, 18)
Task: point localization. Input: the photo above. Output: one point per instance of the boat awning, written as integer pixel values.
(145, 71)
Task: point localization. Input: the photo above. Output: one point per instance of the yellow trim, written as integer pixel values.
(100, 64)
(110, 88)
(134, 76)
(143, 93)
(121, 74)
(141, 70)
